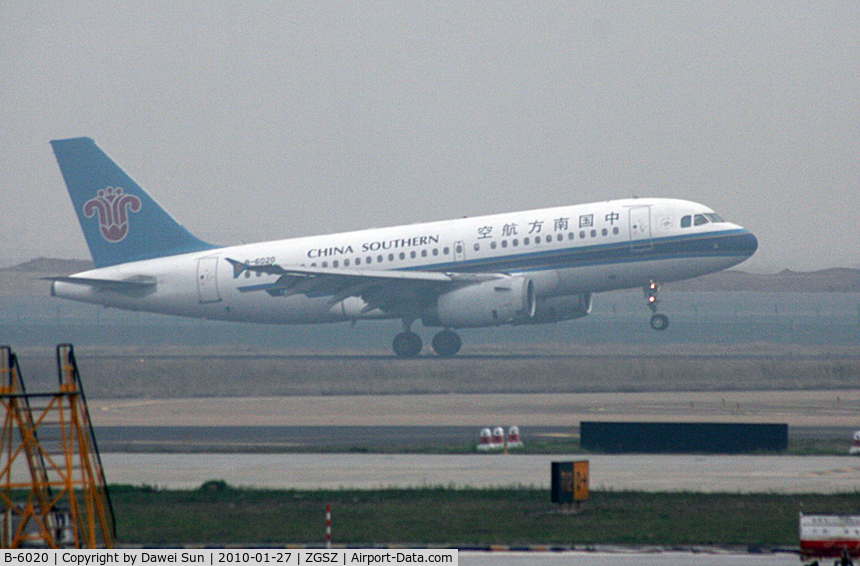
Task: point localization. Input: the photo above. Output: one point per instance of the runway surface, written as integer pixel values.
(822, 408)
(308, 423)
(343, 423)
(293, 438)
(261, 439)
(654, 473)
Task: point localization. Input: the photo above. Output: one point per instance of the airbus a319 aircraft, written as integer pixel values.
(532, 267)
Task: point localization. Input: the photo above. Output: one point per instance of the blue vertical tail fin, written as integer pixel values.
(121, 222)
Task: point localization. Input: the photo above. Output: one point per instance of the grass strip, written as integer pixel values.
(218, 514)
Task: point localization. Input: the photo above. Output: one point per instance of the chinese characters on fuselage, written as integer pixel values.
(542, 226)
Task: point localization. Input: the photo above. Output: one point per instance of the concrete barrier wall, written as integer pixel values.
(665, 437)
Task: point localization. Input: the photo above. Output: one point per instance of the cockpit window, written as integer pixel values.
(699, 219)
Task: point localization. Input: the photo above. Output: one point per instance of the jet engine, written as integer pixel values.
(555, 309)
(489, 303)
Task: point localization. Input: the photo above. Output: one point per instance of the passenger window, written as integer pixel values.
(423, 253)
(390, 257)
(325, 264)
(334, 263)
(436, 251)
(526, 241)
(605, 232)
(559, 237)
(446, 250)
(492, 245)
(402, 255)
(412, 254)
(515, 242)
(477, 247)
(615, 230)
(504, 243)
(700, 219)
(686, 221)
(537, 239)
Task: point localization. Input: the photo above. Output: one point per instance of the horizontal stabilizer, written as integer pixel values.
(136, 284)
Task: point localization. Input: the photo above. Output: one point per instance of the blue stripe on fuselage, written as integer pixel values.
(724, 243)
(738, 242)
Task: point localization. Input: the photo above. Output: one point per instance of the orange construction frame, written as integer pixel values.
(63, 502)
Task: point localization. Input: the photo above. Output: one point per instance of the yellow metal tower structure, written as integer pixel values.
(52, 485)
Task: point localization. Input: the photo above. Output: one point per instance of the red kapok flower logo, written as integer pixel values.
(112, 206)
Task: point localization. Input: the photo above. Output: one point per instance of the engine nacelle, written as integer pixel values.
(555, 309)
(490, 303)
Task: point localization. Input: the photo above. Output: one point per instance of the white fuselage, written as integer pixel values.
(564, 250)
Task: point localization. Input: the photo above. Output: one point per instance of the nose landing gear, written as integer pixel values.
(658, 321)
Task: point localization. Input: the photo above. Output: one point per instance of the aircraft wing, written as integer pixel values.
(387, 290)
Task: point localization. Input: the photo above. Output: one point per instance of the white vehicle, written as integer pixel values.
(530, 267)
(829, 536)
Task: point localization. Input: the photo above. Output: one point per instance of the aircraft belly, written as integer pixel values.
(625, 275)
(296, 309)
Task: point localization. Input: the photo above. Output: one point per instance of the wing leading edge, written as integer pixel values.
(387, 290)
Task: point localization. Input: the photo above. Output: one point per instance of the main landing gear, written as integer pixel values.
(658, 321)
(407, 344)
(447, 343)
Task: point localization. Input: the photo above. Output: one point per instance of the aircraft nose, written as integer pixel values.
(748, 243)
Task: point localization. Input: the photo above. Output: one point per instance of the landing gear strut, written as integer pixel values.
(658, 321)
(446, 343)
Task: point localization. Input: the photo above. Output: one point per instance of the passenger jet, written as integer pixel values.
(532, 267)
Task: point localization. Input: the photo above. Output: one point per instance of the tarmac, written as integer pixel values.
(808, 408)
(651, 473)
(173, 421)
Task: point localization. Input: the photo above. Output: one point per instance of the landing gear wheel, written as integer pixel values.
(447, 343)
(659, 322)
(407, 345)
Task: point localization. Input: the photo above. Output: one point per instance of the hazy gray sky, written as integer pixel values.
(257, 120)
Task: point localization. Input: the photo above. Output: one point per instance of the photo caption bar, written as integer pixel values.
(217, 557)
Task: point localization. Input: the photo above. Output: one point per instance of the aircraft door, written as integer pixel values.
(640, 228)
(207, 280)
